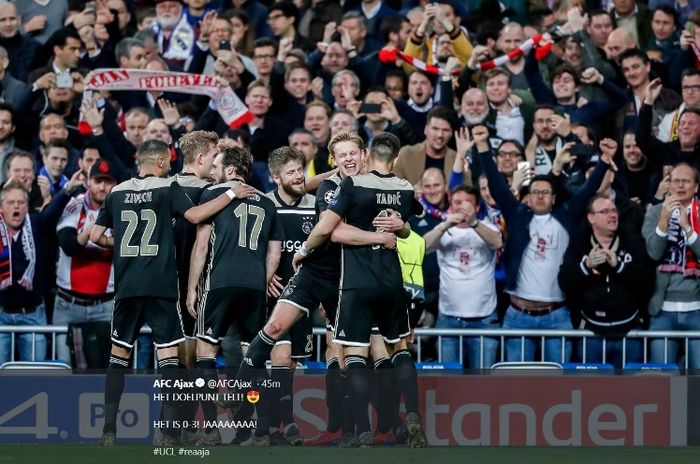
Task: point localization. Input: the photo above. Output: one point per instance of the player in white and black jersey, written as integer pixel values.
(140, 212)
(238, 250)
(296, 213)
(371, 281)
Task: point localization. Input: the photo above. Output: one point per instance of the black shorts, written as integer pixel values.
(306, 290)
(301, 337)
(161, 314)
(221, 307)
(189, 323)
(361, 309)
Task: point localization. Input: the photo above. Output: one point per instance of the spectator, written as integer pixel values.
(433, 152)
(551, 131)
(671, 235)
(317, 16)
(599, 27)
(538, 235)
(85, 277)
(684, 149)
(639, 174)
(433, 197)
(174, 34)
(374, 12)
(636, 68)
(283, 17)
(24, 266)
(423, 42)
(317, 121)
(55, 159)
(266, 132)
(387, 119)
(664, 41)
(420, 102)
(618, 41)
(21, 49)
(690, 88)
(20, 168)
(41, 19)
(7, 140)
(264, 53)
(603, 274)
(343, 120)
(634, 17)
(345, 87)
(257, 14)
(466, 249)
(356, 27)
(66, 55)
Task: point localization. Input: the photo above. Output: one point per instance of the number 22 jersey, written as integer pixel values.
(140, 212)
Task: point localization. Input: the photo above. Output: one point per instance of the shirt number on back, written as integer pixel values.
(242, 211)
(145, 248)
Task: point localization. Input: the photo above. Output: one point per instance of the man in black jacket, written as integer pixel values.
(604, 274)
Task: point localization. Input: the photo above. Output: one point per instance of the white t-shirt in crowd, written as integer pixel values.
(467, 267)
(539, 268)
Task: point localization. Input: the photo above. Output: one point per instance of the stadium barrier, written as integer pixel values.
(424, 336)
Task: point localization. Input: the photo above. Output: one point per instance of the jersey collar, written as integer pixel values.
(282, 202)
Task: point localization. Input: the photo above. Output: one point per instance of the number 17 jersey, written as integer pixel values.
(140, 212)
(239, 240)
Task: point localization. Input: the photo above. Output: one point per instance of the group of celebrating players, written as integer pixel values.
(191, 272)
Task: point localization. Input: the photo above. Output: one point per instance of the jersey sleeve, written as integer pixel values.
(207, 196)
(324, 193)
(342, 197)
(104, 217)
(416, 207)
(179, 201)
(70, 215)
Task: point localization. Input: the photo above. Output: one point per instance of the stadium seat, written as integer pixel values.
(652, 369)
(453, 365)
(593, 368)
(57, 365)
(526, 368)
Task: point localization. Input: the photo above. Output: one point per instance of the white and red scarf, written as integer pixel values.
(232, 110)
(6, 279)
(391, 55)
(678, 257)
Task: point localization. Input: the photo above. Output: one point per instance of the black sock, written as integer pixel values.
(358, 381)
(334, 395)
(285, 377)
(188, 409)
(407, 379)
(387, 395)
(258, 353)
(114, 386)
(347, 419)
(206, 367)
(275, 395)
(171, 370)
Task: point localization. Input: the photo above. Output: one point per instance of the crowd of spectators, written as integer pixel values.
(559, 188)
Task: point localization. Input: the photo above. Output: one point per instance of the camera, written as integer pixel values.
(64, 80)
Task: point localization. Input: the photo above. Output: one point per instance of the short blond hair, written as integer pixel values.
(345, 136)
(196, 142)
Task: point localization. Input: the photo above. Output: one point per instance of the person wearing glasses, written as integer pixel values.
(603, 271)
(671, 234)
(685, 149)
(538, 234)
(690, 91)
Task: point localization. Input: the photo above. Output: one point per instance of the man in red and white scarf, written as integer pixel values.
(671, 232)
